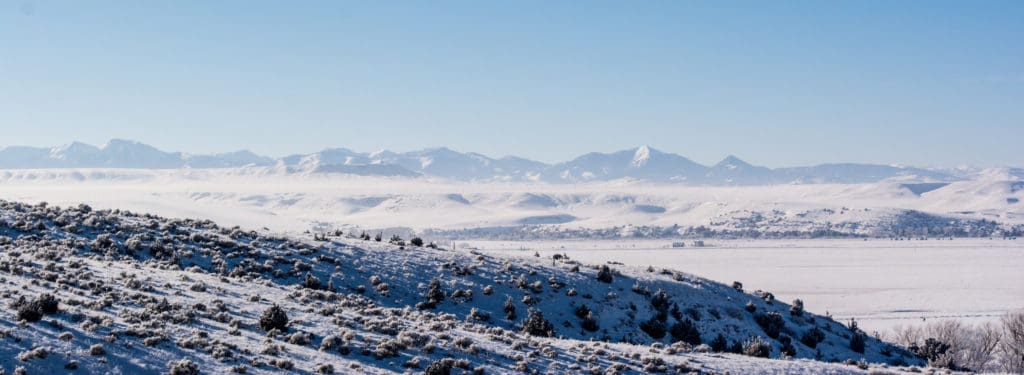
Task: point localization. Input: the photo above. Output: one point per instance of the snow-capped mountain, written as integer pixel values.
(640, 163)
(119, 153)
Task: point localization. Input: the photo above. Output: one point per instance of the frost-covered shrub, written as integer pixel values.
(35, 353)
(750, 307)
(386, 348)
(685, 331)
(536, 325)
(771, 322)
(301, 339)
(435, 295)
(323, 368)
(311, 282)
(47, 304)
(510, 309)
(738, 286)
(757, 347)
(274, 318)
(97, 349)
(604, 275)
(440, 367)
(183, 367)
(416, 241)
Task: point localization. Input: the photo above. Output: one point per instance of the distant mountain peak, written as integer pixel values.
(641, 156)
(732, 162)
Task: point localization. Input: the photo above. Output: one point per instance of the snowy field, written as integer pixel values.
(882, 283)
(258, 197)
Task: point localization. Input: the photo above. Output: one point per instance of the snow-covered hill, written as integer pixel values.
(640, 163)
(120, 292)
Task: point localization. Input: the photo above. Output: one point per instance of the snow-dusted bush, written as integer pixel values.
(323, 368)
(274, 318)
(510, 309)
(97, 349)
(757, 347)
(183, 367)
(311, 282)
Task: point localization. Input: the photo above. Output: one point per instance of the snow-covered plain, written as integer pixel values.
(881, 283)
(258, 197)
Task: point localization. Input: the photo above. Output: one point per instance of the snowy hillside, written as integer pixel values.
(115, 291)
(640, 163)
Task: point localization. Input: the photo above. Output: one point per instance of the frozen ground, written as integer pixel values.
(882, 283)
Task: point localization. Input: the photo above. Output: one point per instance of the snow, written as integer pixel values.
(267, 196)
(881, 283)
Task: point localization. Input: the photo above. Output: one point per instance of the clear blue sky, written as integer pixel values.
(931, 83)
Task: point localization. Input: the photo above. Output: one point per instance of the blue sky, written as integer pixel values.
(930, 83)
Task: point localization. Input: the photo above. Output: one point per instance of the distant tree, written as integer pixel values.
(604, 275)
(798, 308)
(536, 325)
(857, 342)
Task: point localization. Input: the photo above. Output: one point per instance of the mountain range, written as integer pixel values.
(640, 163)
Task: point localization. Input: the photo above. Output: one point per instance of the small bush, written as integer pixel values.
(311, 282)
(654, 327)
(812, 337)
(857, 342)
(757, 347)
(183, 367)
(771, 323)
(685, 331)
(604, 275)
(97, 350)
(416, 241)
(29, 313)
(719, 343)
(274, 318)
(440, 367)
(47, 304)
(798, 308)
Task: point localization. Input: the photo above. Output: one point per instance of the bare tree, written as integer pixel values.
(1012, 344)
